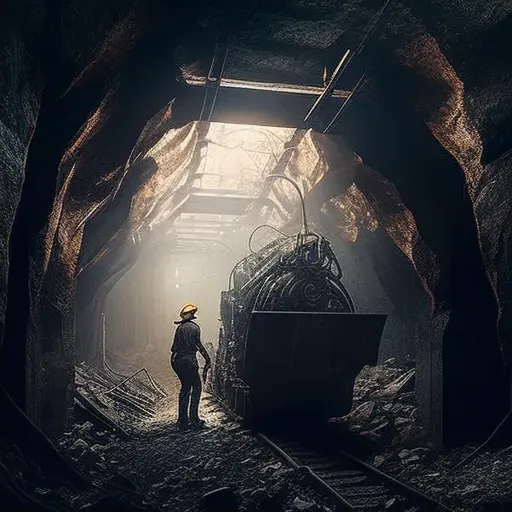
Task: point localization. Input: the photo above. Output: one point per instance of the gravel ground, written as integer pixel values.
(483, 484)
(164, 469)
(384, 413)
(173, 469)
(178, 468)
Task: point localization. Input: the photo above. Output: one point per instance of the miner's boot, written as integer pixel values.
(182, 425)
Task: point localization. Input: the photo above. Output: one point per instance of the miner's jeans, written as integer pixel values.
(188, 373)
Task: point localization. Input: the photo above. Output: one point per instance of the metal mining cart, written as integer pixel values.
(291, 343)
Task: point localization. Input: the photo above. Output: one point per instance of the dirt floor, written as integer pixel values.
(161, 468)
(173, 469)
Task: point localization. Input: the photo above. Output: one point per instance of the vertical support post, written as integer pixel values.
(103, 339)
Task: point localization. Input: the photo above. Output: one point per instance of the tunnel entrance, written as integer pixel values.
(188, 246)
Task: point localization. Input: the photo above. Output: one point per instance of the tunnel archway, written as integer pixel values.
(108, 152)
(190, 222)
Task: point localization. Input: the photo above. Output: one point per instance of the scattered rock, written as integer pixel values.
(273, 467)
(379, 460)
(390, 504)
(361, 413)
(469, 489)
(223, 499)
(402, 454)
(384, 408)
(412, 458)
(299, 504)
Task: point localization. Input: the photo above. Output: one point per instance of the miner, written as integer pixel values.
(187, 342)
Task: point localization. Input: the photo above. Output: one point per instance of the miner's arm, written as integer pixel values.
(204, 353)
(173, 349)
(202, 350)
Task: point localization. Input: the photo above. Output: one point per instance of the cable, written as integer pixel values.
(347, 102)
(477, 450)
(305, 230)
(301, 235)
(367, 33)
(267, 226)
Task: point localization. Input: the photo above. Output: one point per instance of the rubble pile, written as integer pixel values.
(384, 408)
(26, 477)
(90, 448)
(45, 490)
(384, 411)
(172, 469)
(483, 484)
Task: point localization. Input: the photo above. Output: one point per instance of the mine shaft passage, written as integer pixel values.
(243, 244)
(243, 227)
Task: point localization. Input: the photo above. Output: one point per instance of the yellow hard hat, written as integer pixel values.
(188, 309)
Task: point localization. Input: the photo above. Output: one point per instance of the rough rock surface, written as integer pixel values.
(432, 52)
(384, 408)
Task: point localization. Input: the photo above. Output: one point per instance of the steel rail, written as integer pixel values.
(401, 489)
(344, 504)
(393, 482)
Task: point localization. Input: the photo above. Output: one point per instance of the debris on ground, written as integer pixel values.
(165, 469)
(126, 399)
(384, 409)
(483, 484)
(176, 469)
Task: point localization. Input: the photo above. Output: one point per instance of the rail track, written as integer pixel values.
(350, 482)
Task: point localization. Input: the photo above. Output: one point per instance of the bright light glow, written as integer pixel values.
(177, 285)
(238, 156)
(176, 273)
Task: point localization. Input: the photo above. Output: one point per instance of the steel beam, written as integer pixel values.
(225, 204)
(212, 82)
(304, 90)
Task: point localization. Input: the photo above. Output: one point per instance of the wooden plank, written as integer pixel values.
(87, 406)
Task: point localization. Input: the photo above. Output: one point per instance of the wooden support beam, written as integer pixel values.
(200, 202)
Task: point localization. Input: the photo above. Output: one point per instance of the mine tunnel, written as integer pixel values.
(326, 183)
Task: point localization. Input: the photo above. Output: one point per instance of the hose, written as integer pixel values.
(303, 233)
(305, 230)
(267, 226)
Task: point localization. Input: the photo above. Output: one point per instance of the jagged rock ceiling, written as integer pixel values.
(80, 82)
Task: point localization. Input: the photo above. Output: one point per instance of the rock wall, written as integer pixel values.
(91, 118)
(433, 130)
(20, 93)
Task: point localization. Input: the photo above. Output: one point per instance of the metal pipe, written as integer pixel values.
(267, 86)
